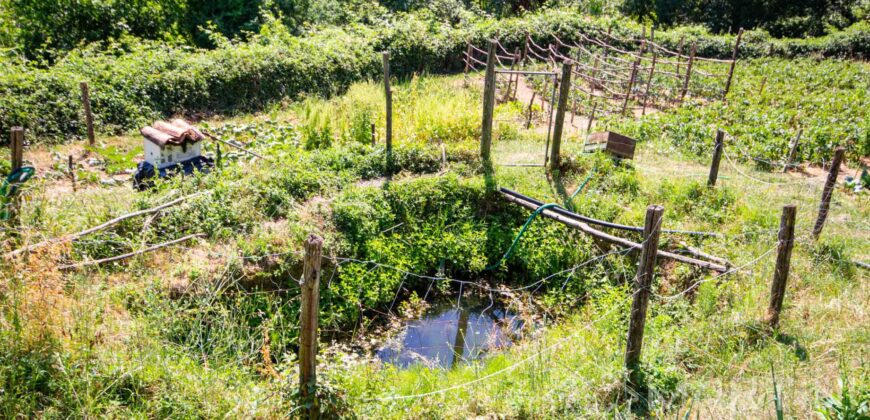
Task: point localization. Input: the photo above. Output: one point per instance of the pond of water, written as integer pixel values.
(448, 334)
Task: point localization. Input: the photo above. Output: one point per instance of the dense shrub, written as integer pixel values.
(782, 18)
(133, 81)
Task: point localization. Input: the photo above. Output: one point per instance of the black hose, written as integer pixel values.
(564, 212)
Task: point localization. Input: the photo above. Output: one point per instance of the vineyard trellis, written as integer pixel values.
(614, 75)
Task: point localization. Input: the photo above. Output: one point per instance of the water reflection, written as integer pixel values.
(446, 335)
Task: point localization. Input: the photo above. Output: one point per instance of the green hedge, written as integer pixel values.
(134, 81)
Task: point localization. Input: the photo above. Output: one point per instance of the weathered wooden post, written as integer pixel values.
(783, 259)
(652, 71)
(488, 103)
(531, 102)
(373, 134)
(630, 85)
(388, 92)
(733, 63)
(526, 51)
(16, 142)
(830, 183)
(516, 76)
(72, 172)
(717, 156)
(761, 88)
(308, 337)
(680, 52)
(89, 117)
(591, 117)
(468, 53)
(645, 271)
(510, 81)
(688, 71)
(574, 93)
(792, 154)
(559, 124)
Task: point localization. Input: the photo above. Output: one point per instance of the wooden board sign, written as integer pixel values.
(613, 143)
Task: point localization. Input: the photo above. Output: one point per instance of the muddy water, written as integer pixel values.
(449, 334)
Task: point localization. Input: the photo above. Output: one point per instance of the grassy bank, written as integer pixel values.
(209, 328)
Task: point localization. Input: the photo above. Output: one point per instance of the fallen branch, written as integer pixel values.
(585, 228)
(131, 254)
(215, 138)
(74, 236)
(862, 265)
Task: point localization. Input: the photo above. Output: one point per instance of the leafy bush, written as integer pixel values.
(134, 81)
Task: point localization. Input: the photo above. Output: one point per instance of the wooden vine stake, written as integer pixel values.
(688, 72)
(468, 53)
(630, 85)
(680, 52)
(16, 141)
(717, 156)
(388, 92)
(830, 183)
(792, 154)
(531, 103)
(783, 259)
(89, 117)
(645, 270)
(72, 172)
(559, 124)
(488, 104)
(733, 63)
(652, 70)
(308, 324)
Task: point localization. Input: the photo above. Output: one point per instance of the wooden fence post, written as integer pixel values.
(792, 154)
(373, 134)
(468, 53)
(830, 183)
(717, 156)
(689, 71)
(526, 51)
(488, 104)
(591, 117)
(630, 85)
(559, 124)
(652, 70)
(72, 172)
(89, 117)
(531, 102)
(680, 52)
(308, 337)
(783, 259)
(516, 76)
(733, 63)
(388, 92)
(645, 271)
(16, 142)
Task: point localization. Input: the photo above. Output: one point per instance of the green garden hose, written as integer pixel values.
(10, 187)
(537, 211)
